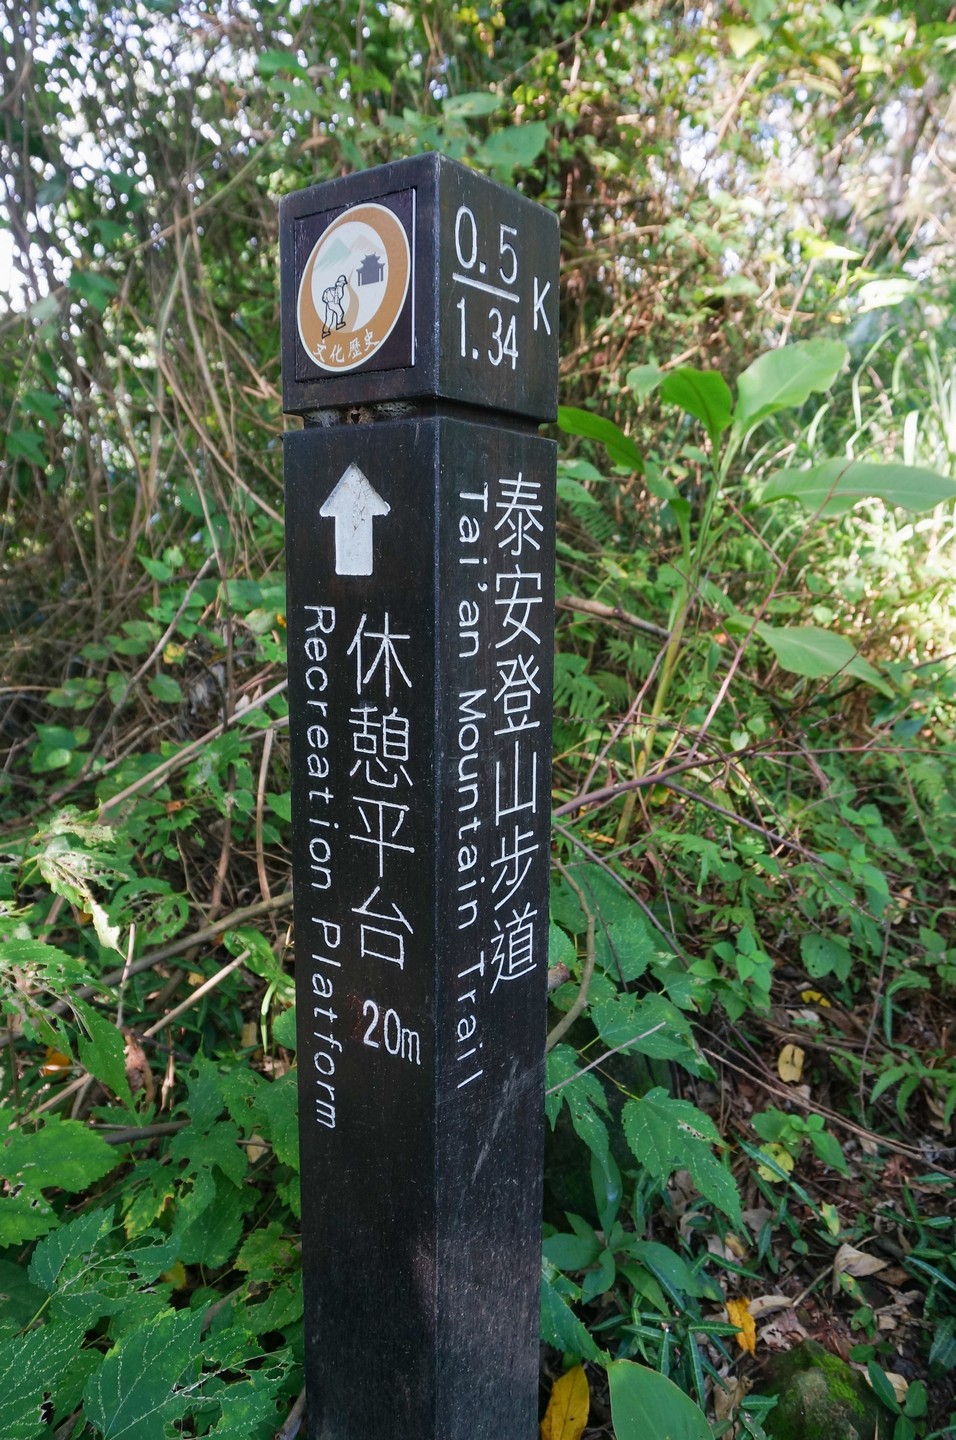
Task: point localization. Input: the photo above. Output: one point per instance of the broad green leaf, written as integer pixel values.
(25, 445)
(249, 1406)
(96, 290)
(515, 148)
(34, 1366)
(649, 1025)
(703, 394)
(668, 1135)
(472, 104)
(142, 1386)
(807, 649)
(884, 294)
(166, 690)
(645, 1405)
(20, 1299)
(828, 1150)
(835, 486)
(25, 1216)
(783, 379)
(643, 379)
(742, 39)
(572, 1252)
(619, 446)
(272, 61)
(278, 1098)
(817, 654)
(283, 1028)
(825, 955)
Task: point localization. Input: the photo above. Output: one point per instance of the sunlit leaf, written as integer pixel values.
(835, 486)
(785, 378)
(703, 394)
(619, 446)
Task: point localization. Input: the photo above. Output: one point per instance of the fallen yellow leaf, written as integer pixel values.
(55, 1065)
(738, 1313)
(814, 997)
(567, 1412)
(781, 1157)
(790, 1063)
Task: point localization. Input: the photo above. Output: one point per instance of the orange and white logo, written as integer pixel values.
(353, 288)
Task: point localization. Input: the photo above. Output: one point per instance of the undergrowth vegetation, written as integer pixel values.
(751, 1075)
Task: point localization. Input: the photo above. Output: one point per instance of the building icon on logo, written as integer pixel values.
(371, 271)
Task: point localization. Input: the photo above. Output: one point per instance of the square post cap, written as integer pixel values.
(418, 281)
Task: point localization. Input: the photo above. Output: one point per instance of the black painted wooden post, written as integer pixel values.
(419, 309)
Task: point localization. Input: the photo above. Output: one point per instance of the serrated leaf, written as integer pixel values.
(785, 378)
(72, 1241)
(143, 1384)
(650, 1025)
(568, 1407)
(249, 1406)
(835, 486)
(645, 1403)
(104, 1053)
(34, 1366)
(61, 1153)
(20, 1299)
(561, 1328)
(279, 1101)
(668, 1135)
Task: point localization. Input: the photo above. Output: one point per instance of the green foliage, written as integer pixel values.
(755, 709)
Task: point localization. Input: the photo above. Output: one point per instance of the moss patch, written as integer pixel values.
(820, 1398)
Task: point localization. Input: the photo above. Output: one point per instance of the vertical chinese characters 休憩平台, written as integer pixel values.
(381, 817)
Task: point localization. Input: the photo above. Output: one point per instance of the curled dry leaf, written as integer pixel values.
(790, 1064)
(567, 1412)
(138, 1074)
(767, 1304)
(850, 1261)
(728, 1397)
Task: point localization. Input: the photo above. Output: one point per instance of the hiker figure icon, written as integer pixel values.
(333, 299)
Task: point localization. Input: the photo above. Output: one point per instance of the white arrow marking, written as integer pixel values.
(353, 505)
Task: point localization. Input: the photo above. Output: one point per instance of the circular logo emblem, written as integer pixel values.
(353, 288)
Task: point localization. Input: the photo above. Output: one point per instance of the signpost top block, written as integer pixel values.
(420, 280)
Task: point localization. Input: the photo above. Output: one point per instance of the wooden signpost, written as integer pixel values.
(419, 308)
